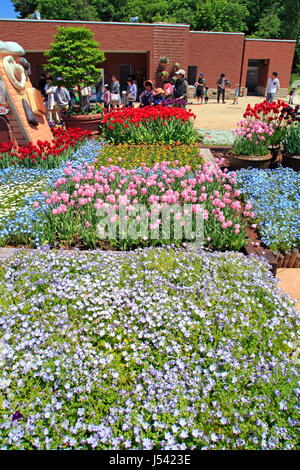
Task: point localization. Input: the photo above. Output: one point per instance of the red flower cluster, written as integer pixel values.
(146, 114)
(32, 154)
(265, 111)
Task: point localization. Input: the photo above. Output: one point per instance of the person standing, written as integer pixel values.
(106, 97)
(99, 90)
(86, 93)
(273, 87)
(42, 84)
(221, 88)
(292, 95)
(114, 92)
(236, 94)
(62, 99)
(181, 87)
(131, 92)
(200, 85)
(50, 103)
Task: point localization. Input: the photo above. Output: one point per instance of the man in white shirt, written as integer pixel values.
(273, 87)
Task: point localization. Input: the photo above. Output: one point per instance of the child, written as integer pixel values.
(124, 99)
(106, 97)
(292, 94)
(206, 95)
(236, 94)
(159, 98)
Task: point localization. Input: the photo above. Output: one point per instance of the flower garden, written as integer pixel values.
(152, 342)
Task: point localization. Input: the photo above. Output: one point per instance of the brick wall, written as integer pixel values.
(278, 54)
(216, 53)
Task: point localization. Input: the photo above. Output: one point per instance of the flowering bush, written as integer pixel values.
(274, 195)
(155, 350)
(44, 154)
(278, 112)
(73, 218)
(252, 138)
(149, 125)
(133, 156)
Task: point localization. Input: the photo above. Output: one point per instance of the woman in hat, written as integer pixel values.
(159, 97)
(181, 88)
(147, 96)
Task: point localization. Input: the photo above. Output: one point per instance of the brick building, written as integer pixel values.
(136, 48)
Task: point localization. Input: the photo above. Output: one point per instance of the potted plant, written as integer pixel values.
(73, 56)
(291, 145)
(176, 66)
(164, 59)
(164, 74)
(251, 146)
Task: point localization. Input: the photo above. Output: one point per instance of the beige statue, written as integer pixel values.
(22, 110)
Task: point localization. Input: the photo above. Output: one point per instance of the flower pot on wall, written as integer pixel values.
(236, 162)
(291, 161)
(84, 122)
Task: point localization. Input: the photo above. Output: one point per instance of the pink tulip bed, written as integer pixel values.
(87, 195)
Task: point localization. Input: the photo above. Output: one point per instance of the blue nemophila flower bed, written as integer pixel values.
(275, 198)
(158, 349)
(20, 221)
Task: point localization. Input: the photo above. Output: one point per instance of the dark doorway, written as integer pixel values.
(252, 77)
(125, 71)
(192, 74)
(4, 131)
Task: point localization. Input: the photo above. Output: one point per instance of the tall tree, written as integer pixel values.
(75, 57)
(25, 7)
(68, 10)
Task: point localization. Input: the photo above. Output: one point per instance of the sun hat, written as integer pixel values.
(148, 82)
(158, 91)
(180, 72)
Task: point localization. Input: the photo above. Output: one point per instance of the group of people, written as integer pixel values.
(57, 97)
(149, 95)
(202, 91)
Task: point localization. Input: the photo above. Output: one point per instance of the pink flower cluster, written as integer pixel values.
(254, 130)
(85, 189)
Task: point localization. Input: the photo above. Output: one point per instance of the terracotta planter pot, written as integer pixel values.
(85, 122)
(236, 162)
(291, 161)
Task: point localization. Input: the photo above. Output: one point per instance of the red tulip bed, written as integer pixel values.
(45, 154)
(149, 125)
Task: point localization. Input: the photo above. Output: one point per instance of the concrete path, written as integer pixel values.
(290, 283)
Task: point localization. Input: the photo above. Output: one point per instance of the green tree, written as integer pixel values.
(25, 7)
(75, 56)
(222, 15)
(268, 26)
(82, 10)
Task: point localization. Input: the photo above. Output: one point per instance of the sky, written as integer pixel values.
(7, 9)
